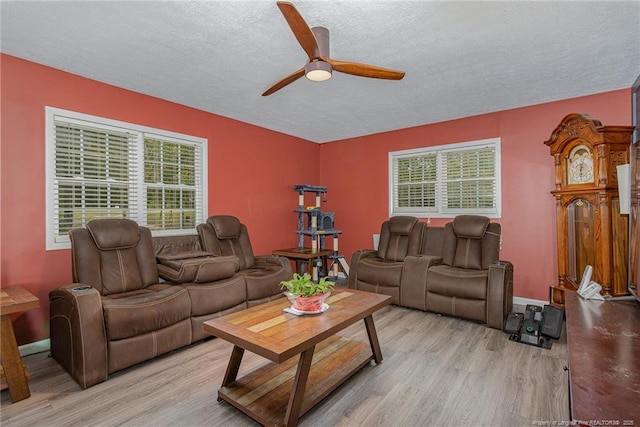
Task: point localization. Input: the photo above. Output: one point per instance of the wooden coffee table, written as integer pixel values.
(284, 389)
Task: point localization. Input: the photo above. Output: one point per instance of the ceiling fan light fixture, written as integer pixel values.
(318, 71)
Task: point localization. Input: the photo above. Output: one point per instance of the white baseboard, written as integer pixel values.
(35, 347)
(525, 301)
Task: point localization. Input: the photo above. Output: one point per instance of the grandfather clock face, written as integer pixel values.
(580, 165)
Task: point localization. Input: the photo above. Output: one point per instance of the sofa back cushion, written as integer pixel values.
(400, 236)
(113, 256)
(471, 242)
(224, 235)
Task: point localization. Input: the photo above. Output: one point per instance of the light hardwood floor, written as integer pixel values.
(437, 371)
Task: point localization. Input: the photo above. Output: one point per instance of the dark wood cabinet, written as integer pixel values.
(604, 350)
(590, 228)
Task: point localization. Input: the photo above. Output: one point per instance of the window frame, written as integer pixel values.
(439, 211)
(55, 241)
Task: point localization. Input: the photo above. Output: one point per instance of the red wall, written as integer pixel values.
(251, 172)
(356, 174)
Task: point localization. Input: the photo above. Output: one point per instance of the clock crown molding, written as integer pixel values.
(575, 125)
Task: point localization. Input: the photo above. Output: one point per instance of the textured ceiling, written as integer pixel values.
(460, 58)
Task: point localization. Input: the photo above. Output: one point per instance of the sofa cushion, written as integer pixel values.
(207, 298)
(263, 280)
(201, 268)
(457, 282)
(468, 254)
(144, 310)
(176, 245)
(381, 272)
(120, 271)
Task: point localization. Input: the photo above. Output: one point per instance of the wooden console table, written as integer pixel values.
(12, 300)
(603, 339)
(305, 255)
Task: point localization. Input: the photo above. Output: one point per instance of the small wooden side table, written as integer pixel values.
(305, 255)
(12, 300)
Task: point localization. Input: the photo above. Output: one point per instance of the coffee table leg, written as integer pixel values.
(373, 339)
(233, 366)
(299, 385)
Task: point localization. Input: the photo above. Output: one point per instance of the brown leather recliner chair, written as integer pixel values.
(117, 314)
(398, 268)
(225, 235)
(471, 282)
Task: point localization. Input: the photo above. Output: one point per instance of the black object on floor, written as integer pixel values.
(530, 330)
(552, 321)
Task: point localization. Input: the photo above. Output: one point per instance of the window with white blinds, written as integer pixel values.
(445, 181)
(101, 168)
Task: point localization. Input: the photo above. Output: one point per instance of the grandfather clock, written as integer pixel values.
(591, 230)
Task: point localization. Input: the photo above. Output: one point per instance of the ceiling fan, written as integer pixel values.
(315, 42)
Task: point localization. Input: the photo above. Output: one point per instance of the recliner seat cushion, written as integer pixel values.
(381, 272)
(263, 280)
(457, 282)
(144, 310)
(207, 298)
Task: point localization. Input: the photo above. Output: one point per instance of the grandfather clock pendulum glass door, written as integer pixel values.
(591, 230)
(581, 241)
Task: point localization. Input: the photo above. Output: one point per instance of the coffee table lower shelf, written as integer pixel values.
(263, 394)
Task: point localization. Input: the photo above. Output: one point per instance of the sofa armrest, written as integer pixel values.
(77, 331)
(353, 265)
(199, 269)
(413, 284)
(499, 293)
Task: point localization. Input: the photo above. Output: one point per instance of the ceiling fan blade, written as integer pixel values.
(364, 70)
(300, 29)
(287, 80)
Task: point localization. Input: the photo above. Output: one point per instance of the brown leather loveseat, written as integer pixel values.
(119, 312)
(452, 270)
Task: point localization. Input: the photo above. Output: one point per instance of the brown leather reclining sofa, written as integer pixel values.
(452, 270)
(119, 312)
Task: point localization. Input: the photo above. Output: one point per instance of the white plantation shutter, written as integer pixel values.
(93, 175)
(415, 180)
(172, 171)
(446, 181)
(469, 181)
(100, 168)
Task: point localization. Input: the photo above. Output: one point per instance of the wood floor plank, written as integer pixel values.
(436, 370)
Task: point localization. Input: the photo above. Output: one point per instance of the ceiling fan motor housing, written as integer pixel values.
(317, 69)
